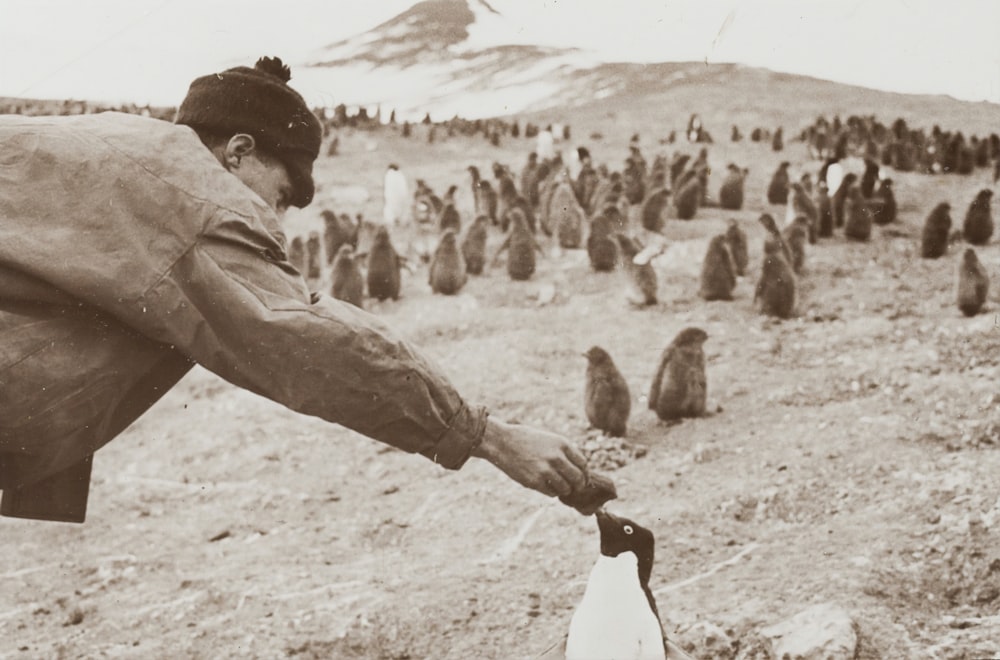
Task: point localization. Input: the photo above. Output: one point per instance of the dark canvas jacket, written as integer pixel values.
(127, 254)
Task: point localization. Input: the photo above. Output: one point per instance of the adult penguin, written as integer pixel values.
(617, 616)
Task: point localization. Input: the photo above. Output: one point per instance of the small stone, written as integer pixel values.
(821, 631)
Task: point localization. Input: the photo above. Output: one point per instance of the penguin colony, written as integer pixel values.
(623, 220)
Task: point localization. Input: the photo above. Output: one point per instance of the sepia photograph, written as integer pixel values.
(499, 329)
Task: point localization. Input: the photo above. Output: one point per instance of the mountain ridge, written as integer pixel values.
(460, 57)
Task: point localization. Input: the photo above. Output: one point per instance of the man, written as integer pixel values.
(131, 249)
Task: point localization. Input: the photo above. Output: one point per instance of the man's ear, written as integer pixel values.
(239, 145)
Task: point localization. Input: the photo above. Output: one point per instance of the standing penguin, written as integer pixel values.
(653, 208)
(824, 212)
(447, 272)
(521, 246)
(774, 236)
(337, 231)
(973, 283)
(978, 225)
(737, 240)
(885, 210)
(775, 293)
(383, 267)
(731, 191)
(718, 272)
(566, 216)
(934, 239)
(297, 254)
(314, 250)
(688, 198)
(474, 246)
(839, 197)
(857, 216)
(348, 285)
(449, 218)
(796, 236)
(679, 388)
(801, 205)
(617, 616)
(642, 283)
(778, 142)
(869, 178)
(606, 396)
(601, 247)
(777, 190)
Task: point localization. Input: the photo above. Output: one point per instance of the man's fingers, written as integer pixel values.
(575, 476)
(575, 456)
(555, 484)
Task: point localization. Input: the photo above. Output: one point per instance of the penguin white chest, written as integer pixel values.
(614, 620)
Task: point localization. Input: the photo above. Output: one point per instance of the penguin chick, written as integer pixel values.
(449, 219)
(885, 210)
(775, 293)
(737, 240)
(777, 190)
(858, 216)
(718, 272)
(607, 400)
(731, 191)
(314, 249)
(869, 178)
(521, 246)
(383, 267)
(679, 387)
(774, 235)
(566, 216)
(617, 616)
(973, 283)
(801, 205)
(348, 285)
(839, 197)
(934, 239)
(796, 237)
(447, 272)
(474, 245)
(653, 208)
(601, 247)
(641, 277)
(688, 198)
(824, 212)
(297, 254)
(338, 230)
(978, 225)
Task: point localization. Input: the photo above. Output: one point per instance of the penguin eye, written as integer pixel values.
(627, 529)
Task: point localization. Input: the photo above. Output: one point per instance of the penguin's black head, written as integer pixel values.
(620, 535)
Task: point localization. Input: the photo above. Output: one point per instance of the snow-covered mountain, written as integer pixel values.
(465, 57)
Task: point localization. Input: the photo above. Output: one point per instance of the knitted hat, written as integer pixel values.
(258, 102)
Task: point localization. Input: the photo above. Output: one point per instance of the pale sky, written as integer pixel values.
(150, 50)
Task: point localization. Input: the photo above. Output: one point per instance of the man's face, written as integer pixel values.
(267, 177)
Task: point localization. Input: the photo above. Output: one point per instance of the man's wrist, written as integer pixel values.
(494, 437)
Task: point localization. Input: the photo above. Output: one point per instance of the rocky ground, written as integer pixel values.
(850, 463)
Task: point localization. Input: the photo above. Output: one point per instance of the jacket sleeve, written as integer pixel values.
(235, 305)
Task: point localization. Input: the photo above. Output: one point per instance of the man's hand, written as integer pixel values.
(540, 460)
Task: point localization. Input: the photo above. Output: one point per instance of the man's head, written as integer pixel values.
(260, 129)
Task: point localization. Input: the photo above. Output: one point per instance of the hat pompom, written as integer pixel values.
(275, 67)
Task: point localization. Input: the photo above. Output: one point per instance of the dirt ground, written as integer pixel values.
(853, 458)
